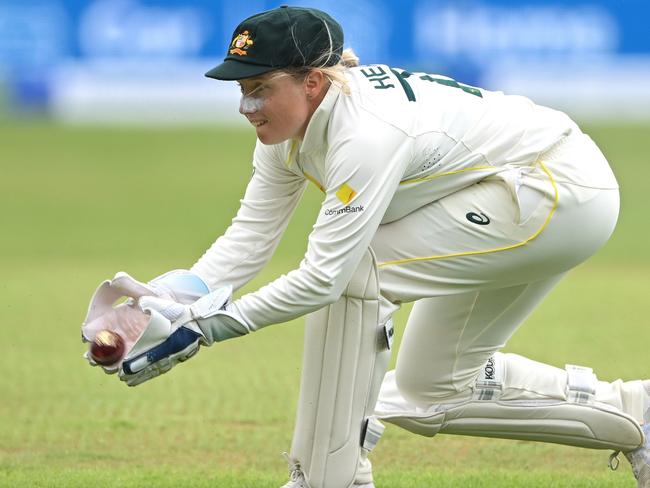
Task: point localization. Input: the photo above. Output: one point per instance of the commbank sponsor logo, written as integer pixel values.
(345, 210)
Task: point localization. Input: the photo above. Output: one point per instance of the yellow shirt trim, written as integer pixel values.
(449, 173)
(292, 153)
(314, 181)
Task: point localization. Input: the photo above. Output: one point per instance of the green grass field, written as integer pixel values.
(79, 204)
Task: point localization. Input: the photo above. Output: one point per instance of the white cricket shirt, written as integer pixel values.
(399, 141)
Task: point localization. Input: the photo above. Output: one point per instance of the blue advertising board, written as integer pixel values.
(459, 38)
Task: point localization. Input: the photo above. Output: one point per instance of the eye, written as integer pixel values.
(258, 89)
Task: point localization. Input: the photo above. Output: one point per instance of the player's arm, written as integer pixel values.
(363, 170)
(361, 174)
(235, 258)
(249, 242)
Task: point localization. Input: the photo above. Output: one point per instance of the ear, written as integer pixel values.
(314, 83)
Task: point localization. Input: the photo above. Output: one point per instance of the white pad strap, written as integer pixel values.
(581, 384)
(389, 333)
(489, 384)
(372, 432)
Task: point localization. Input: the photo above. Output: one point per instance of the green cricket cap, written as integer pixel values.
(280, 38)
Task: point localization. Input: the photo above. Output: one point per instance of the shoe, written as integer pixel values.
(297, 477)
(296, 483)
(639, 459)
(301, 483)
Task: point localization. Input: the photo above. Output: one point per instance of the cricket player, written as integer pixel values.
(471, 203)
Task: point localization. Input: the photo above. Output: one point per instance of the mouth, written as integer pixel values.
(258, 123)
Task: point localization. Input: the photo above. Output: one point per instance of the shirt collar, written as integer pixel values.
(316, 133)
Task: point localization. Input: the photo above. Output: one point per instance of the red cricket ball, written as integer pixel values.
(107, 348)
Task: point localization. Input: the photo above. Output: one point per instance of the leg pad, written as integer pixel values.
(578, 420)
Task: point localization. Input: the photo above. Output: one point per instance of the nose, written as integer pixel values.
(248, 105)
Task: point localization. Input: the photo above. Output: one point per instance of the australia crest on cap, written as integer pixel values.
(241, 43)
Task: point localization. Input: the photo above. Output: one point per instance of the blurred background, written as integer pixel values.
(142, 61)
(116, 153)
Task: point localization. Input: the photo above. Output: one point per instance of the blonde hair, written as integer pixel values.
(334, 73)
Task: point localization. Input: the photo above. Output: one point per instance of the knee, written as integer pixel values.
(422, 388)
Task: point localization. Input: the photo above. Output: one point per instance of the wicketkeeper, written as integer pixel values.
(471, 203)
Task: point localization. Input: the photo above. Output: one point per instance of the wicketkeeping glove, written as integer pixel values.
(176, 331)
(126, 318)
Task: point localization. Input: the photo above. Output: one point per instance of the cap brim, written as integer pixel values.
(232, 69)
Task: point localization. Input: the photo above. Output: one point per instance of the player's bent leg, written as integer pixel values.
(639, 458)
(345, 357)
(448, 339)
(517, 398)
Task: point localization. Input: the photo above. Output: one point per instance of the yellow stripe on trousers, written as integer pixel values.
(488, 251)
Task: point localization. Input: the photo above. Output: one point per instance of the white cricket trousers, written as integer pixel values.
(478, 261)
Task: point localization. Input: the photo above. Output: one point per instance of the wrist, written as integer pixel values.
(221, 327)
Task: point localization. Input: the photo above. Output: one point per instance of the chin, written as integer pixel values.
(270, 139)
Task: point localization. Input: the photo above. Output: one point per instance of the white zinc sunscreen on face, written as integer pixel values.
(249, 104)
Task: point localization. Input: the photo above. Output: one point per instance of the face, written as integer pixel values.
(279, 107)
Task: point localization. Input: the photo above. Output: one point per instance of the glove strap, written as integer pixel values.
(221, 327)
(212, 303)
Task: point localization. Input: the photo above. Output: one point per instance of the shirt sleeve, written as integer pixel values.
(363, 170)
(249, 242)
